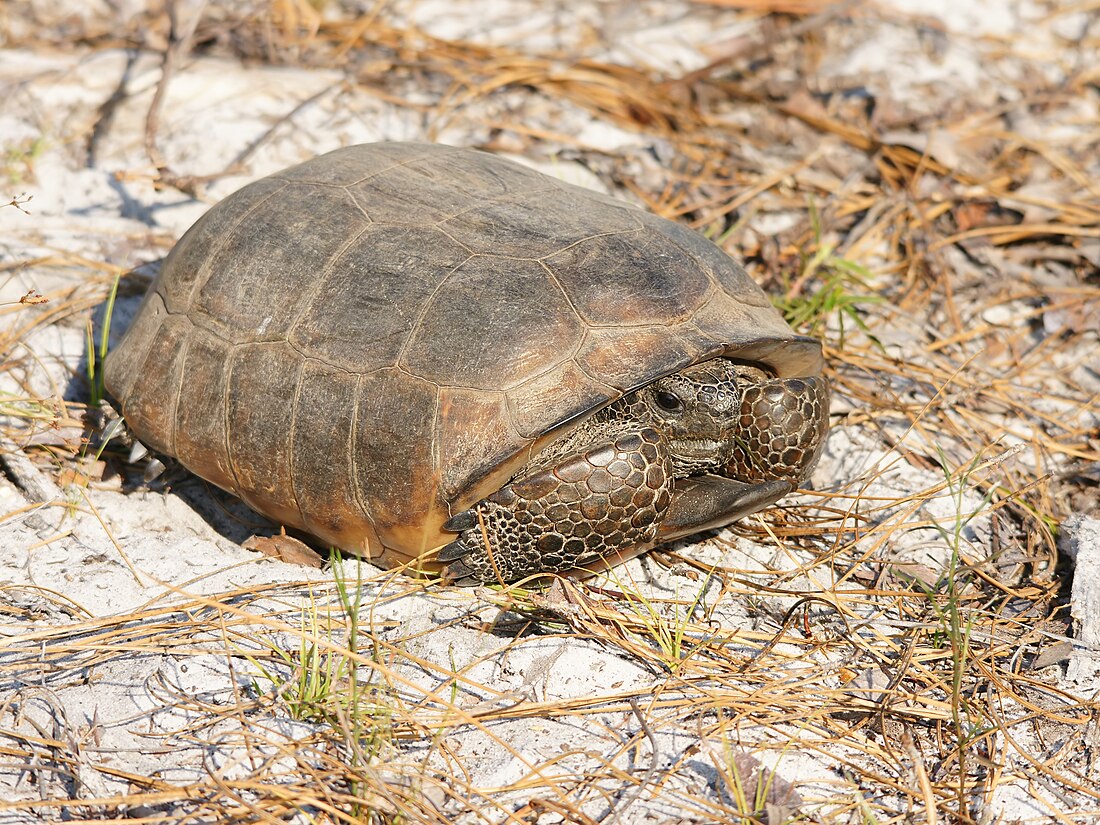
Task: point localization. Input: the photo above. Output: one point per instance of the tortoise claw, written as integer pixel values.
(454, 551)
(458, 572)
(462, 521)
(468, 581)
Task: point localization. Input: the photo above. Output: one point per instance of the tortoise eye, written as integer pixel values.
(669, 402)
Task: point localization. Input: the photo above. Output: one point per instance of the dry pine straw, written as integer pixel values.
(725, 680)
(876, 617)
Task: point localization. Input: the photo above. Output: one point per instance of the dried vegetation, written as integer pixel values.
(948, 254)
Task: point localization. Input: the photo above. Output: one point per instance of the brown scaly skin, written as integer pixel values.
(607, 487)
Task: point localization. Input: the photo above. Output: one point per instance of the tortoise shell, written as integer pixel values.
(369, 342)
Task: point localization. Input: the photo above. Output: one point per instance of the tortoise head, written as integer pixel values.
(735, 419)
(696, 409)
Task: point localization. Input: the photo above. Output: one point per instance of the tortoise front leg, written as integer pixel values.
(709, 501)
(608, 498)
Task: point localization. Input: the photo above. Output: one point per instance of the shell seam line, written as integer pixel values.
(568, 300)
(286, 340)
(353, 456)
(396, 366)
(639, 228)
(225, 418)
(427, 155)
(224, 239)
(436, 467)
(178, 391)
(398, 361)
(504, 198)
(320, 280)
(291, 443)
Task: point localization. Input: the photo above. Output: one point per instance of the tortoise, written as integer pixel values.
(429, 355)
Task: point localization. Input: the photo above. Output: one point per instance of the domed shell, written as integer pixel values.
(368, 342)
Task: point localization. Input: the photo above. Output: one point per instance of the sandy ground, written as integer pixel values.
(140, 643)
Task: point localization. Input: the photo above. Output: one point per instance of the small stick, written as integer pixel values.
(636, 791)
(179, 43)
(38, 487)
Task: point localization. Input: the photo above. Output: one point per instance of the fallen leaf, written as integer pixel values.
(285, 548)
(977, 213)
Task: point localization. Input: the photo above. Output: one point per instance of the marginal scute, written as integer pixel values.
(323, 433)
(728, 320)
(612, 354)
(562, 393)
(757, 334)
(259, 449)
(394, 445)
(728, 273)
(473, 437)
(202, 442)
(150, 408)
(124, 367)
